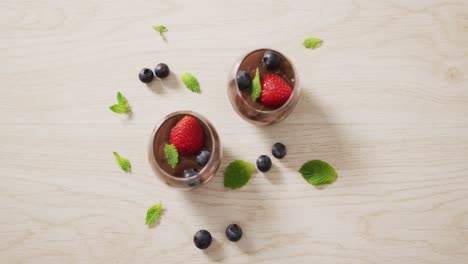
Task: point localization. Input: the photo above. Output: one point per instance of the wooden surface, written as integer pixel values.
(385, 100)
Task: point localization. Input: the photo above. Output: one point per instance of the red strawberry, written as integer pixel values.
(275, 90)
(187, 136)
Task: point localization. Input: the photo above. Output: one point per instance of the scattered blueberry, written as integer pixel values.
(243, 80)
(202, 239)
(146, 75)
(264, 163)
(189, 173)
(203, 157)
(278, 150)
(234, 232)
(271, 60)
(161, 70)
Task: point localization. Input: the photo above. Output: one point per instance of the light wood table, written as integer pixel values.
(385, 101)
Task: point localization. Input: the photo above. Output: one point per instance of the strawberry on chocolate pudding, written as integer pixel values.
(275, 90)
(187, 136)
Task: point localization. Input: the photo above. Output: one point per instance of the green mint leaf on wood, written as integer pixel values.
(121, 99)
(256, 86)
(237, 174)
(312, 43)
(153, 214)
(171, 154)
(119, 109)
(122, 162)
(318, 172)
(122, 106)
(160, 28)
(191, 82)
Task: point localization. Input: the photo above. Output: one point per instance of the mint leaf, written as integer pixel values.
(256, 86)
(318, 172)
(171, 154)
(161, 29)
(121, 99)
(191, 82)
(122, 106)
(122, 162)
(312, 43)
(119, 109)
(153, 214)
(237, 174)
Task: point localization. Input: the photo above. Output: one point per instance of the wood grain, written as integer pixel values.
(385, 100)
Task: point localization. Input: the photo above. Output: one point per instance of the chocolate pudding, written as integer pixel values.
(177, 176)
(255, 111)
(250, 64)
(185, 162)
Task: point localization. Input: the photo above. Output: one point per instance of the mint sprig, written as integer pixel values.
(122, 106)
(171, 154)
(237, 174)
(191, 82)
(318, 172)
(161, 29)
(153, 213)
(312, 43)
(122, 162)
(256, 86)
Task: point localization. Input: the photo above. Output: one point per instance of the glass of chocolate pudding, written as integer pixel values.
(279, 82)
(198, 146)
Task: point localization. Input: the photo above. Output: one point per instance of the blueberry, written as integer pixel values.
(146, 75)
(278, 150)
(234, 232)
(264, 163)
(161, 70)
(203, 157)
(189, 173)
(243, 80)
(202, 239)
(271, 60)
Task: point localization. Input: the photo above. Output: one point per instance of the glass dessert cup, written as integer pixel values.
(173, 176)
(254, 111)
